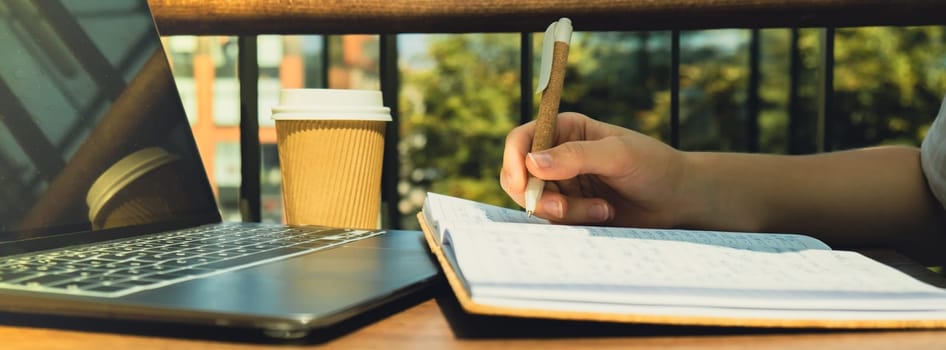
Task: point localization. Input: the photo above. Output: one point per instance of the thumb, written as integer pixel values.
(570, 159)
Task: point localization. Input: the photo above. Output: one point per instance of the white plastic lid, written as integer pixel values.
(331, 104)
(122, 173)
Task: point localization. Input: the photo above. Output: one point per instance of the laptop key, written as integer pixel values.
(154, 269)
(131, 273)
(115, 256)
(184, 254)
(177, 263)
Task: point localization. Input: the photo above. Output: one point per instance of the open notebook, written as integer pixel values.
(502, 262)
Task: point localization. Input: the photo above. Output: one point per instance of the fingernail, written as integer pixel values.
(554, 208)
(598, 213)
(504, 181)
(541, 159)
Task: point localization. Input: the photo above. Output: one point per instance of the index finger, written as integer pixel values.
(513, 175)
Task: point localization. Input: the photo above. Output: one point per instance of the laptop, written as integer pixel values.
(106, 211)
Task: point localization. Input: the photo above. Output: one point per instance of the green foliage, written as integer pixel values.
(613, 77)
(889, 82)
(457, 114)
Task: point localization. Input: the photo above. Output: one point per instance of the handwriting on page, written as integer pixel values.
(504, 257)
(599, 259)
(765, 242)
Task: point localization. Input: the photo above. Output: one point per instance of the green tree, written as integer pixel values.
(889, 84)
(456, 116)
(615, 76)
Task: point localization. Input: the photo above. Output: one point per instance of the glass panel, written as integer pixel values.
(92, 132)
(205, 71)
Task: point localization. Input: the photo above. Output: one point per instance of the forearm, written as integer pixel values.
(865, 197)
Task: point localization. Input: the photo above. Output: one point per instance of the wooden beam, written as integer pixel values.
(251, 17)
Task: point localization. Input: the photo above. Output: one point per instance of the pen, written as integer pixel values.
(551, 78)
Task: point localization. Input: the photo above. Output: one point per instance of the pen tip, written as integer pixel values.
(529, 212)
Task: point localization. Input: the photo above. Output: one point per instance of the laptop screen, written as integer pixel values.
(93, 134)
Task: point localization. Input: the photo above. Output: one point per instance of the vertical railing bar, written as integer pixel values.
(525, 78)
(390, 172)
(325, 60)
(675, 88)
(794, 102)
(752, 101)
(826, 96)
(248, 71)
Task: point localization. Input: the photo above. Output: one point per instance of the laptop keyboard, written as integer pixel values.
(117, 268)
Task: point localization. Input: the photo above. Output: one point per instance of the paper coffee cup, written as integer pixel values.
(331, 149)
(125, 194)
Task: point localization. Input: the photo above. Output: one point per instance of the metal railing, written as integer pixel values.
(250, 18)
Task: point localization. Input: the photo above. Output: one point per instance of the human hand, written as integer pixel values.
(597, 173)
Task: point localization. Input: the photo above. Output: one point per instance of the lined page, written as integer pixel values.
(450, 211)
(580, 264)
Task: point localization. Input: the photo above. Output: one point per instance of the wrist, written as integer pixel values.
(690, 194)
(717, 194)
(706, 196)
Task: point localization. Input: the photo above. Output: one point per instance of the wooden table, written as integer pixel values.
(434, 321)
(424, 327)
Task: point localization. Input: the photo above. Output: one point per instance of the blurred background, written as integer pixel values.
(460, 95)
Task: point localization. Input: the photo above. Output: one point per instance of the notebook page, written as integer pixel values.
(459, 210)
(675, 267)
(454, 212)
(441, 210)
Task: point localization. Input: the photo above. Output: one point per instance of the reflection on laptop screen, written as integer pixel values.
(92, 131)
